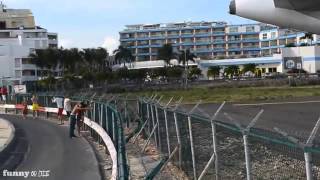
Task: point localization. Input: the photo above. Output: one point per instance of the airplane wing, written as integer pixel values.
(299, 5)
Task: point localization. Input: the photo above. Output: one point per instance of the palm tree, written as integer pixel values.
(232, 70)
(213, 71)
(46, 58)
(166, 53)
(101, 56)
(123, 55)
(185, 56)
(88, 56)
(249, 67)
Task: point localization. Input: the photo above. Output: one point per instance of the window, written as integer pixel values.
(18, 73)
(28, 73)
(3, 25)
(250, 29)
(17, 62)
(273, 35)
(26, 61)
(264, 36)
(233, 29)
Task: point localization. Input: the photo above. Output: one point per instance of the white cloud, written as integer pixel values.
(110, 43)
(66, 43)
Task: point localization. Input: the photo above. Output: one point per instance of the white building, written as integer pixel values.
(18, 38)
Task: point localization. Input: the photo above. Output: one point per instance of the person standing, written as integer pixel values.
(0, 93)
(35, 106)
(67, 106)
(60, 103)
(4, 93)
(24, 109)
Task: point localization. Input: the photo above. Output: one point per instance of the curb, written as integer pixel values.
(11, 136)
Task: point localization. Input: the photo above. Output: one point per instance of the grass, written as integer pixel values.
(246, 94)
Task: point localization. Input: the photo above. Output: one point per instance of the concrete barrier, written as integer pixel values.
(7, 132)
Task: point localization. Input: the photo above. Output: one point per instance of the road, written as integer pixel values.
(50, 148)
(297, 117)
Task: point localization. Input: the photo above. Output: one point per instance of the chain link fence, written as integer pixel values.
(211, 149)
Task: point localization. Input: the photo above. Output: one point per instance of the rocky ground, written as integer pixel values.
(141, 163)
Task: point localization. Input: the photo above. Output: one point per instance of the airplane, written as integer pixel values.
(301, 15)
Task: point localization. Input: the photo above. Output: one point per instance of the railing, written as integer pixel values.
(205, 148)
(103, 120)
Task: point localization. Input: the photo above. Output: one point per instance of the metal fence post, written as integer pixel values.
(158, 135)
(166, 122)
(113, 127)
(178, 138)
(153, 124)
(167, 130)
(247, 156)
(148, 118)
(245, 132)
(107, 120)
(214, 139)
(192, 148)
(308, 159)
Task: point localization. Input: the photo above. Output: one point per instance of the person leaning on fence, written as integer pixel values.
(80, 117)
(78, 108)
(35, 106)
(59, 101)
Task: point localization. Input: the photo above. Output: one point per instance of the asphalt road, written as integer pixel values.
(297, 119)
(50, 149)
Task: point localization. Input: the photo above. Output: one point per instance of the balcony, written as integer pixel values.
(218, 33)
(251, 48)
(203, 50)
(234, 48)
(238, 40)
(187, 43)
(219, 49)
(207, 34)
(184, 35)
(251, 40)
(202, 42)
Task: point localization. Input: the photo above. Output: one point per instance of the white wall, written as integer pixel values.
(309, 56)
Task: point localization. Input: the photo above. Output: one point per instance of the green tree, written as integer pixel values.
(166, 53)
(249, 67)
(232, 70)
(174, 72)
(185, 56)
(195, 72)
(46, 58)
(214, 71)
(122, 73)
(123, 55)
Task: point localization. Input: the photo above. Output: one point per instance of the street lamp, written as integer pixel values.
(186, 68)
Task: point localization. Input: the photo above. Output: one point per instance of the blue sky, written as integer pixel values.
(96, 23)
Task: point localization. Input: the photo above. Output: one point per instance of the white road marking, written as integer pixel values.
(277, 103)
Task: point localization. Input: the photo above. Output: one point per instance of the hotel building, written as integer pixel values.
(208, 40)
(19, 36)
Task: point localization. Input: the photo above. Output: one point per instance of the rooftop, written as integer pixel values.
(174, 25)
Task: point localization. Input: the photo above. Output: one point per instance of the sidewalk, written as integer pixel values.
(6, 134)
